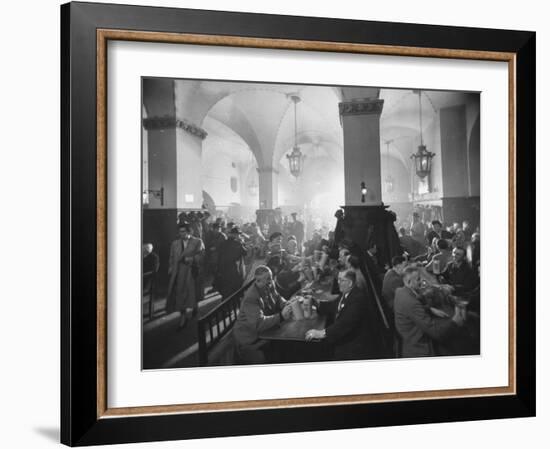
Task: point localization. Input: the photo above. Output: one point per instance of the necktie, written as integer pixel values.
(340, 304)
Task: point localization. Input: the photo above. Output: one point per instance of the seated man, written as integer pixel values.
(355, 332)
(354, 263)
(341, 265)
(434, 232)
(416, 326)
(275, 244)
(291, 245)
(440, 260)
(459, 273)
(393, 279)
(287, 281)
(410, 245)
(261, 309)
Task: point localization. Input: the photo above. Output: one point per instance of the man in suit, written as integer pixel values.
(214, 238)
(261, 309)
(414, 322)
(185, 257)
(231, 267)
(393, 279)
(354, 333)
(459, 273)
(437, 232)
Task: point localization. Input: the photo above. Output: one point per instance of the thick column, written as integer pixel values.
(160, 212)
(189, 166)
(365, 223)
(174, 147)
(361, 125)
(268, 178)
(457, 201)
(268, 186)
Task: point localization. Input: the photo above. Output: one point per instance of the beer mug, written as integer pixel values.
(436, 266)
(297, 311)
(307, 307)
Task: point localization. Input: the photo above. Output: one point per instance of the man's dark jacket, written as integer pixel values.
(355, 331)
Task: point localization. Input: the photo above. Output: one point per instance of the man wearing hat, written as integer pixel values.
(214, 238)
(185, 256)
(231, 268)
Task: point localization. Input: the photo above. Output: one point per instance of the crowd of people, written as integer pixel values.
(425, 303)
(433, 289)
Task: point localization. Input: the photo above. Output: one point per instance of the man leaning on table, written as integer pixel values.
(352, 333)
(417, 324)
(261, 309)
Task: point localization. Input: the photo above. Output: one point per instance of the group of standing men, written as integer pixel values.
(217, 252)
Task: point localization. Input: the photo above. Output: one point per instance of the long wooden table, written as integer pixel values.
(292, 330)
(288, 341)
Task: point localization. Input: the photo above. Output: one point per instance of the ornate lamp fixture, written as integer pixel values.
(295, 158)
(422, 158)
(388, 182)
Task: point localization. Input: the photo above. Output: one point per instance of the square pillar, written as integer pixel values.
(365, 223)
(361, 125)
(268, 187)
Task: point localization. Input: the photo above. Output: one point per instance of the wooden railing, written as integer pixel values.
(218, 322)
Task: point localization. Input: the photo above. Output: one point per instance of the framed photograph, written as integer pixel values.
(284, 224)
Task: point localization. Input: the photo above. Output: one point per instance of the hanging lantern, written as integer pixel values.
(423, 161)
(295, 161)
(295, 158)
(389, 183)
(422, 158)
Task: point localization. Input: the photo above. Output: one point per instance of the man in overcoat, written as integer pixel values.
(185, 257)
(231, 267)
(415, 321)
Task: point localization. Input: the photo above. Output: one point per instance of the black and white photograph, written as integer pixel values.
(293, 223)
(258, 224)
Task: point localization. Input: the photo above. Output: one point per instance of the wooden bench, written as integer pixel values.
(216, 346)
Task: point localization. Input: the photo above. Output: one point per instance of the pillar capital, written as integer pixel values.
(364, 106)
(172, 122)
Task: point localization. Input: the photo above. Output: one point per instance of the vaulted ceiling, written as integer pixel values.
(262, 115)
